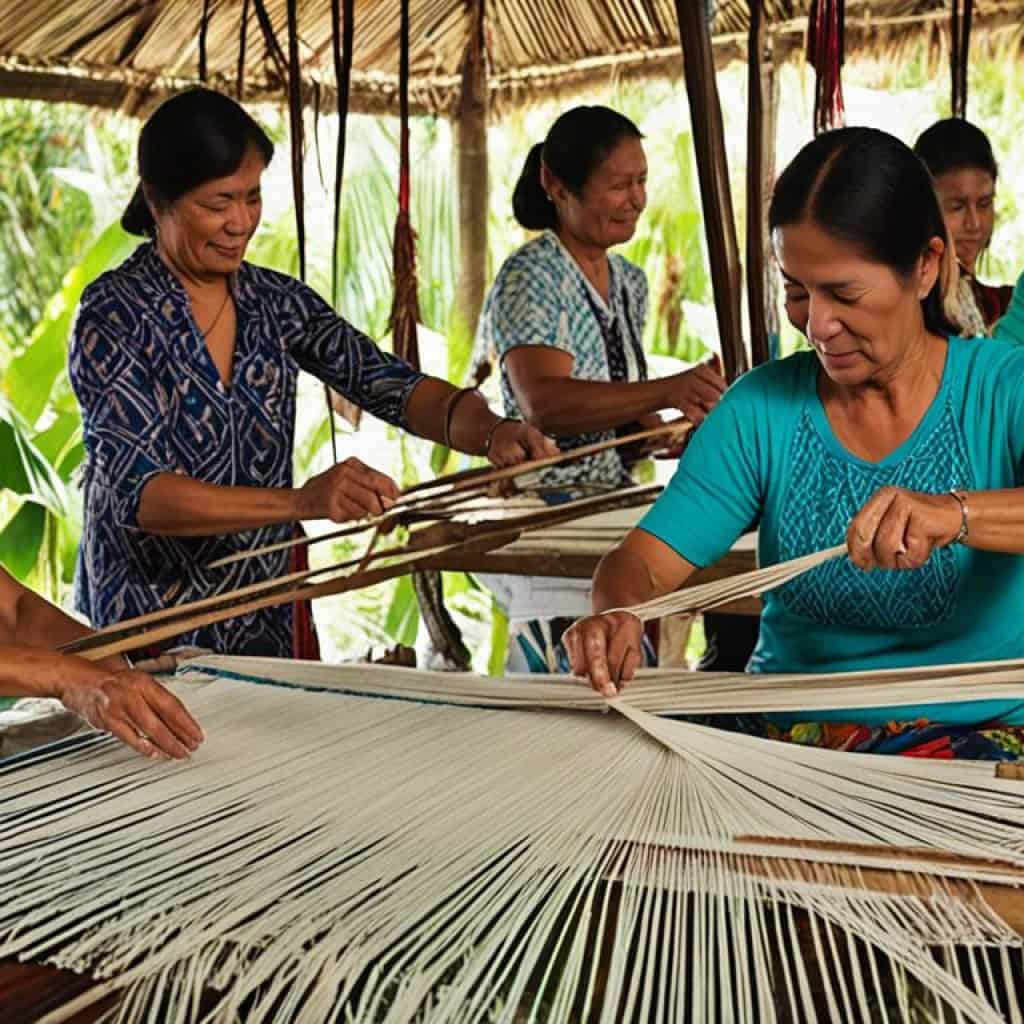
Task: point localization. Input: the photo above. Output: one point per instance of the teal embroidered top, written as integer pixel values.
(767, 455)
(1011, 327)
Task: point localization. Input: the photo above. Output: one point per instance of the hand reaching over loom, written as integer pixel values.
(349, 490)
(109, 694)
(605, 648)
(129, 704)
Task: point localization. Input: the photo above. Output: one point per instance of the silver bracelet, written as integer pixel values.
(961, 499)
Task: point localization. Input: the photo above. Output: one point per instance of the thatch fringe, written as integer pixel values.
(134, 58)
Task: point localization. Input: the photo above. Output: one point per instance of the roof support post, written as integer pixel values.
(762, 120)
(471, 175)
(713, 174)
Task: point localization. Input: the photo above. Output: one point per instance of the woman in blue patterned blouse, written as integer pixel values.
(184, 361)
(893, 435)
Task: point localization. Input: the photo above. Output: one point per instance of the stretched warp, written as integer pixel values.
(391, 845)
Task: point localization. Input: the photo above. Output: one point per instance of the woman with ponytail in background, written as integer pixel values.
(566, 319)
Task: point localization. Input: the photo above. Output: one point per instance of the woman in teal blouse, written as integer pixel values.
(892, 435)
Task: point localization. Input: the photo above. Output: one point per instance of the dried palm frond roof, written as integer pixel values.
(127, 54)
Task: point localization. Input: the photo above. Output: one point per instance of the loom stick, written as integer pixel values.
(438, 508)
(430, 559)
(447, 485)
(454, 536)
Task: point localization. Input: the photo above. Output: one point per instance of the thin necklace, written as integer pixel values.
(216, 319)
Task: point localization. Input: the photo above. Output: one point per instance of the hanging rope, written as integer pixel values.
(204, 26)
(405, 311)
(242, 33)
(961, 43)
(274, 51)
(342, 43)
(295, 126)
(825, 41)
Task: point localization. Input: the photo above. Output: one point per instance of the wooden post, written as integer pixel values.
(471, 175)
(762, 108)
(713, 173)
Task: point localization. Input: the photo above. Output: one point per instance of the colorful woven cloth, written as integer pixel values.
(918, 738)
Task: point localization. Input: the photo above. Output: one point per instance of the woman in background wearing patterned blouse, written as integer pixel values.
(565, 318)
(892, 435)
(184, 361)
(964, 169)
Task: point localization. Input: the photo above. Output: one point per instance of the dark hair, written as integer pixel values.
(577, 143)
(952, 144)
(866, 187)
(190, 139)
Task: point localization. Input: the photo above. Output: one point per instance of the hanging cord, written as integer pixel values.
(296, 131)
(243, 31)
(342, 36)
(204, 27)
(405, 310)
(960, 31)
(825, 46)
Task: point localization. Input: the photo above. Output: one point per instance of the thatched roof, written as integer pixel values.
(127, 54)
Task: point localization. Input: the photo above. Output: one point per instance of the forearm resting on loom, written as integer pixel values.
(30, 622)
(565, 407)
(641, 568)
(30, 671)
(180, 506)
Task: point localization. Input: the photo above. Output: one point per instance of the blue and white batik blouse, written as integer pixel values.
(542, 297)
(153, 402)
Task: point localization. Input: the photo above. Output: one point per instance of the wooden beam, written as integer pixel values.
(762, 120)
(713, 174)
(756, 299)
(472, 181)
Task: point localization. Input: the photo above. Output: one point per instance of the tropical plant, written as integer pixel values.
(61, 182)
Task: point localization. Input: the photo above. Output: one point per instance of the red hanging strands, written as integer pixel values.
(405, 311)
(825, 45)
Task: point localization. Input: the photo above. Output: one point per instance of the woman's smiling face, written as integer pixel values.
(206, 231)
(859, 316)
(606, 211)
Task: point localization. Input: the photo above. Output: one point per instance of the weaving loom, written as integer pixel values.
(402, 846)
(364, 843)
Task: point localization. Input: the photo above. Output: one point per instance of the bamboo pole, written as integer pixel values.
(761, 118)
